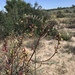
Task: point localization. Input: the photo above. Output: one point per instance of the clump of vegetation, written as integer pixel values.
(65, 34)
(60, 14)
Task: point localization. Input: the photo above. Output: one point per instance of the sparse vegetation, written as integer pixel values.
(31, 37)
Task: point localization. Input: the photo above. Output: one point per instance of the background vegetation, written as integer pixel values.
(20, 17)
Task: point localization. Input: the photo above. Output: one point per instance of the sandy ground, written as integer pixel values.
(63, 63)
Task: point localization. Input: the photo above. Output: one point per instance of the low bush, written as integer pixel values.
(65, 34)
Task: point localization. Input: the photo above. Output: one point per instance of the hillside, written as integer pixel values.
(65, 16)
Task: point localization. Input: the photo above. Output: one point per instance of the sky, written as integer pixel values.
(46, 4)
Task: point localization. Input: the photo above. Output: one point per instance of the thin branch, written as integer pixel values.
(49, 57)
(45, 28)
(34, 50)
(46, 59)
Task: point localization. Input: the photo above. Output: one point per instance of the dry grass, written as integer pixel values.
(61, 64)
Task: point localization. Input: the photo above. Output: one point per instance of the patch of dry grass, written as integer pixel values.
(61, 64)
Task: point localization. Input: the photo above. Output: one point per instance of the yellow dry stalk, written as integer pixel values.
(24, 74)
(30, 34)
(59, 34)
(23, 56)
(21, 21)
(61, 39)
(9, 72)
(35, 26)
(11, 51)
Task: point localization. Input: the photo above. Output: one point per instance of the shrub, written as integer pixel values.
(65, 34)
(52, 29)
(60, 14)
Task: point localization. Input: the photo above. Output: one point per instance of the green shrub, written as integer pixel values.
(54, 32)
(60, 14)
(65, 34)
